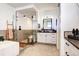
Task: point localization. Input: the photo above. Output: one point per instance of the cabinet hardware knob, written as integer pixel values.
(67, 44)
(67, 53)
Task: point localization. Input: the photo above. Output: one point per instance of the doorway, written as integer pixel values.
(26, 27)
(30, 28)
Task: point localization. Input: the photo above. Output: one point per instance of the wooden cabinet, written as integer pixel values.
(70, 50)
(46, 38)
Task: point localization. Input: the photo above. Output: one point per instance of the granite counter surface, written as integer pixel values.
(73, 42)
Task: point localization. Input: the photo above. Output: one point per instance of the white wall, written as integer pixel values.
(25, 23)
(48, 12)
(45, 11)
(6, 13)
(69, 20)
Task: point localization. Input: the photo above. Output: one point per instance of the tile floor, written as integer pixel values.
(40, 50)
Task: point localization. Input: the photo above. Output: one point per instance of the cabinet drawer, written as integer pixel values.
(74, 50)
(67, 43)
(70, 49)
(51, 39)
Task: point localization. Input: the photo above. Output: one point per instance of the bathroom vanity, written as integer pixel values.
(47, 34)
(46, 38)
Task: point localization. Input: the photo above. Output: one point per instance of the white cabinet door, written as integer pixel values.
(47, 37)
(67, 48)
(70, 49)
(51, 38)
(48, 40)
(41, 37)
(74, 51)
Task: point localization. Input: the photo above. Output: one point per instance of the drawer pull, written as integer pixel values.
(67, 53)
(67, 44)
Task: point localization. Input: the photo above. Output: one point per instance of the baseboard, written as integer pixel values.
(45, 43)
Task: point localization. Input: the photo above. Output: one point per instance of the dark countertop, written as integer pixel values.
(73, 42)
(47, 31)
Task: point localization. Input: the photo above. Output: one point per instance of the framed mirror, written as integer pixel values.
(47, 23)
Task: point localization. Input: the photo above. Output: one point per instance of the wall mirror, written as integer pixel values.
(47, 23)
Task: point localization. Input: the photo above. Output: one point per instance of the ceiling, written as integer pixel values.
(31, 11)
(18, 5)
(28, 12)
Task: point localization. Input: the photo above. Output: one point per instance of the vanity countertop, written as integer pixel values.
(47, 31)
(73, 42)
